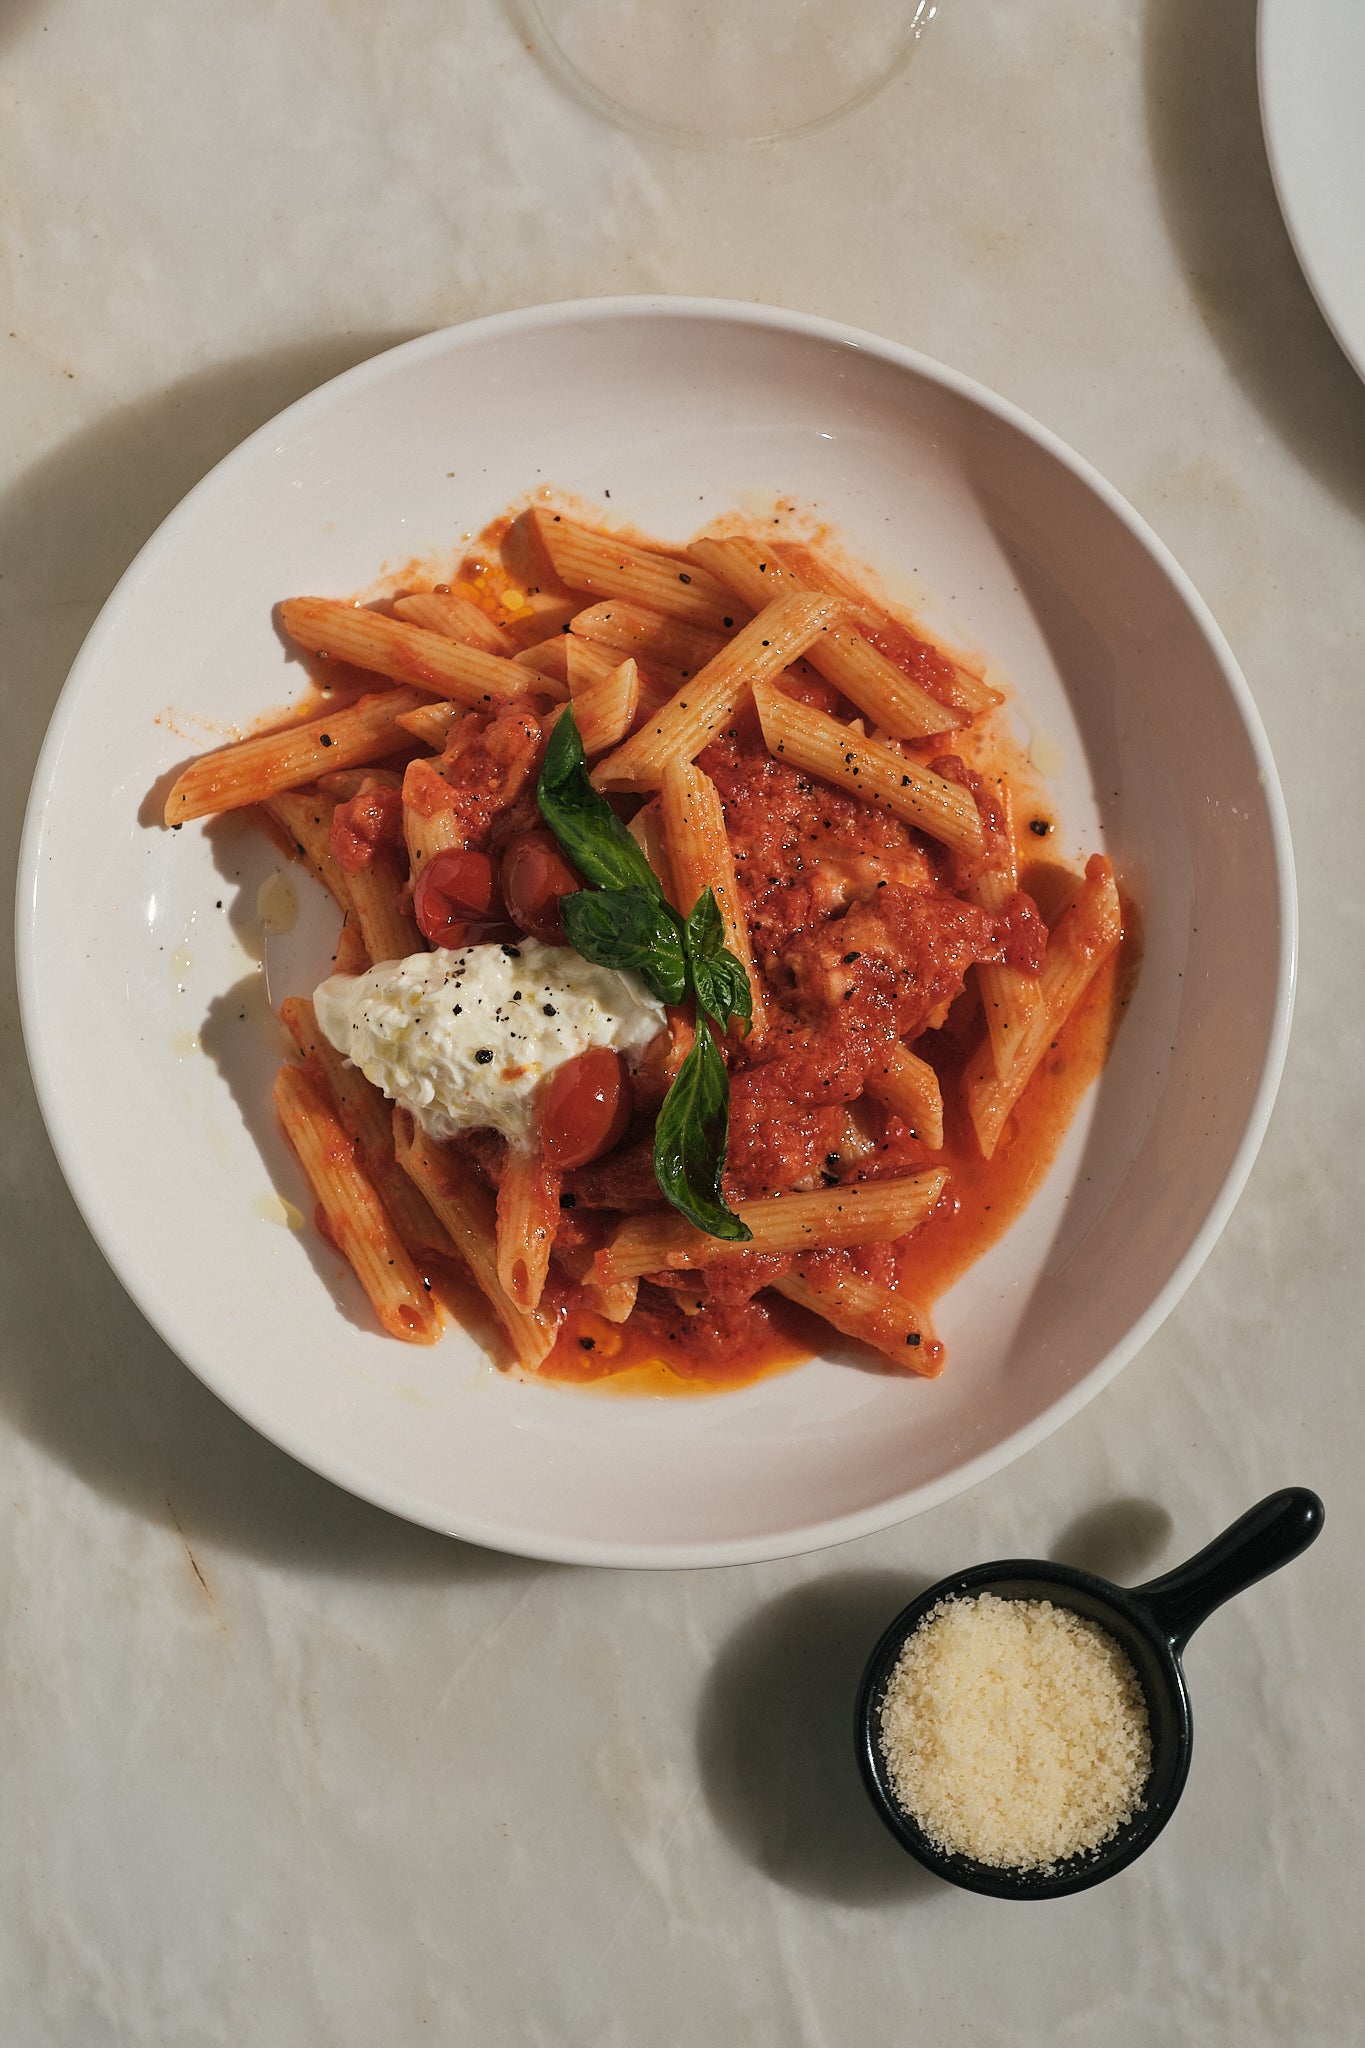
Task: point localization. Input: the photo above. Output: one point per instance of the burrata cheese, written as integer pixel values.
(466, 1039)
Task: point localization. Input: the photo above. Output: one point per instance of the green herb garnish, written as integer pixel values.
(625, 921)
(719, 981)
(629, 929)
(583, 821)
(690, 1139)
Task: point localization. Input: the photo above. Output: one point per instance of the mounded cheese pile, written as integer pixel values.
(1015, 1731)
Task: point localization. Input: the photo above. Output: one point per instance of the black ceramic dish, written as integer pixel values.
(1153, 1623)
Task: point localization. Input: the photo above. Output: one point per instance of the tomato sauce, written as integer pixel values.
(664, 1351)
(861, 940)
(915, 657)
(864, 938)
(986, 1195)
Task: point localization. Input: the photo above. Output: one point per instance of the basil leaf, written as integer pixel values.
(623, 920)
(718, 977)
(705, 928)
(690, 1138)
(583, 821)
(629, 930)
(723, 990)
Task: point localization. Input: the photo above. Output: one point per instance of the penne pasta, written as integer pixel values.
(869, 769)
(583, 664)
(250, 771)
(699, 858)
(870, 1212)
(350, 956)
(387, 925)
(965, 687)
(342, 784)
(527, 1218)
(457, 618)
(1083, 938)
(357, 1221)
(407, 654)
(652, 636)
(1009, 997)
(304, 817)
(431, 824)
(843, 656)
(615, 1304)
(757, 653)
(881, 1316)
(466, 1212)
(541, 613)
(607, 566)
(570, 664)
(432, 723)
(368, 1121)
(550, 659)
(605, 706)
(908, 1085)
(646, 828)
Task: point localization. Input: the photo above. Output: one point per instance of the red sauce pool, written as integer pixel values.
(771, 1335)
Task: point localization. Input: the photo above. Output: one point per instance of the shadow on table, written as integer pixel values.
(775, 1742)
(1119, 1540)
(82, 1373)
(16, 15)
(1208, 155)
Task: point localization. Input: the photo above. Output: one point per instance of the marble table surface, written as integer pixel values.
(276, 1768)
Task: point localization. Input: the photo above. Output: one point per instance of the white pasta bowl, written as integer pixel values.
(681, 410)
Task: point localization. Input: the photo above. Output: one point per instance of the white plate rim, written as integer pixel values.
(883, 1514)
(1316, 252)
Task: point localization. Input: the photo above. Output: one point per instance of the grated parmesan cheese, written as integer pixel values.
(1015, 1732)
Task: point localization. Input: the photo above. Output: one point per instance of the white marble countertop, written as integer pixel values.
(279, 1769)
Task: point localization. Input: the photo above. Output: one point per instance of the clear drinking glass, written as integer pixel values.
(727, 70)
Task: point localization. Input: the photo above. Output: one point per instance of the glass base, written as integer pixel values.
(728, 70)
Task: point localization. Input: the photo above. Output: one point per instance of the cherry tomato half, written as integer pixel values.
(454, 890)
(535, 875)
(586, 1109)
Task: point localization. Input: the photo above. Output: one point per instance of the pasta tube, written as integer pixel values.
(758, 652)
(356, 1219)
(870, 1212)
(868, 769)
